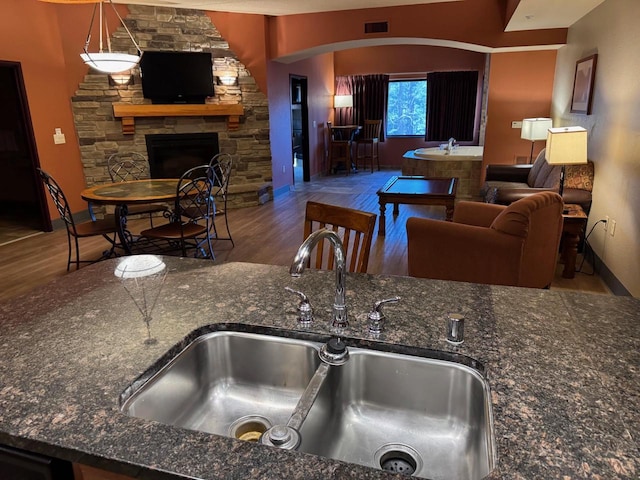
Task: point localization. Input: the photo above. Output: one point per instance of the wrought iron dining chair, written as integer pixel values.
(355, 228)
(369, 140)
(126, 166)
(105, 227)
(222, 164)
(192, 222)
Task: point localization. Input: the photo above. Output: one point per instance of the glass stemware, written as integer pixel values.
(142, 277)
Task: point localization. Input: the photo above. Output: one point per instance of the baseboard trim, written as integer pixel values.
(607, 276)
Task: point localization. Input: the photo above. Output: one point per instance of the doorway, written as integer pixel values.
(23, 209)
(299, 129)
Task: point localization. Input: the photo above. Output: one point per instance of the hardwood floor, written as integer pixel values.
(268, 234)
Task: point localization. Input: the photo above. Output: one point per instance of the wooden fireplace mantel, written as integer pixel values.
(127, 112)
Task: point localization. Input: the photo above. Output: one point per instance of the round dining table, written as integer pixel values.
(133, 192)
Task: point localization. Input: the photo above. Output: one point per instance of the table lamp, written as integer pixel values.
(535, 129)
(342, 101)
(566, 146)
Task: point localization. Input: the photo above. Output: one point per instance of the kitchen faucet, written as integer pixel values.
(339, 316)
(450, 144)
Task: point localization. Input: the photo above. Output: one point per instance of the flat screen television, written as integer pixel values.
(176, 77)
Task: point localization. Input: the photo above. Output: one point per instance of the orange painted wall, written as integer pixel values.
(247, 38)
(320, 77)
(458, 21)
(30, 34)
(399, 59)
(520, 86)
(47, 39)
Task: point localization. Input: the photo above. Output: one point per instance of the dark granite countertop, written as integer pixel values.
(563, 368)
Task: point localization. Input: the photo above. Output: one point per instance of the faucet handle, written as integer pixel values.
(376, 316)
(305, 310)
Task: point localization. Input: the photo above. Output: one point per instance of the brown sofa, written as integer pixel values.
(505, 184)
(493, 244)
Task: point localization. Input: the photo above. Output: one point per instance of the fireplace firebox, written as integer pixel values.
(170, 155)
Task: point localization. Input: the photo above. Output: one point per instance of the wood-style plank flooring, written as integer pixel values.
(268, 234)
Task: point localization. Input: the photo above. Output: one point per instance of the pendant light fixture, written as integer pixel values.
(108, 62)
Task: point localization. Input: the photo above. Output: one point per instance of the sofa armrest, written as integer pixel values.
(508, 173)
(476, 213)
(467, 253)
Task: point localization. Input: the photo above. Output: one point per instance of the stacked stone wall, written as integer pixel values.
(159, 28)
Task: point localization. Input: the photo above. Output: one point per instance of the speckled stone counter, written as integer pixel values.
(562, 367)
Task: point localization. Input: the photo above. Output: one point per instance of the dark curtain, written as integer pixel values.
(451, 105)
(369, 94)
(343, 116)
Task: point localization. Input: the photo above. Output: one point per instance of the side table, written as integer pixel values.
(573, 227)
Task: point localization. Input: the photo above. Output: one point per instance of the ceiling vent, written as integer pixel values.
(376, 27)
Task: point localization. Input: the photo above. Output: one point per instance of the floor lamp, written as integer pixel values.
(566, 146)
(535, 129)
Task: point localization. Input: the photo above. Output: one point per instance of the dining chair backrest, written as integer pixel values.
(194, 199)
(59, 199)
(371, 129)
(222, 164)
(125, 166)
(355, 228)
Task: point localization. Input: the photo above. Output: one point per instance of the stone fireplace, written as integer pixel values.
(101, 133)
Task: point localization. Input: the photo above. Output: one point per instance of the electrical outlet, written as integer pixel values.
(284, 169)
(606, 224)
(516, 124)
(612, 228)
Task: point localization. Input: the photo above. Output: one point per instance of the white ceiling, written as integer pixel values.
(529, 15)
(543, 14)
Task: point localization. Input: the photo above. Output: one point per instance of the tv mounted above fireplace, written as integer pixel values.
(176, 77)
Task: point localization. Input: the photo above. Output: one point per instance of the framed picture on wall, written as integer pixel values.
(583, 85)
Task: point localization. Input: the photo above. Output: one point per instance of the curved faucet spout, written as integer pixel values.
(302, 256)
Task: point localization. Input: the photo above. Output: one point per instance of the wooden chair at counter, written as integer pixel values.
(340, 141)
(369, 140)
(355, 227)
(126, 166)
(93, 228)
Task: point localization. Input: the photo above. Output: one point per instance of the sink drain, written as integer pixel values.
(249, 428)
(398, 458)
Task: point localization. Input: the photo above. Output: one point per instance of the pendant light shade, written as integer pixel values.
(108, 62)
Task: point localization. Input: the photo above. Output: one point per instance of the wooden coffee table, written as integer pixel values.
(417, 190)
(574, 224)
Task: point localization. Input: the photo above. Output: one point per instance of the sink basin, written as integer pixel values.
(430, 418)
(229, 383)
(403, 413)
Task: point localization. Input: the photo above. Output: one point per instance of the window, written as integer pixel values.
(407, 108)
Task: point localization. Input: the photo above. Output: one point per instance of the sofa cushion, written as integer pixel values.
(545, 171)
(553, 178)
(536, 167)
(579, 176)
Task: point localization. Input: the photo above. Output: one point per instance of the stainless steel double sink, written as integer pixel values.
(403, 413)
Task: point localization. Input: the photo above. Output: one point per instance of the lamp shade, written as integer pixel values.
(342, 101)
(566, 146)
(535, 128)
